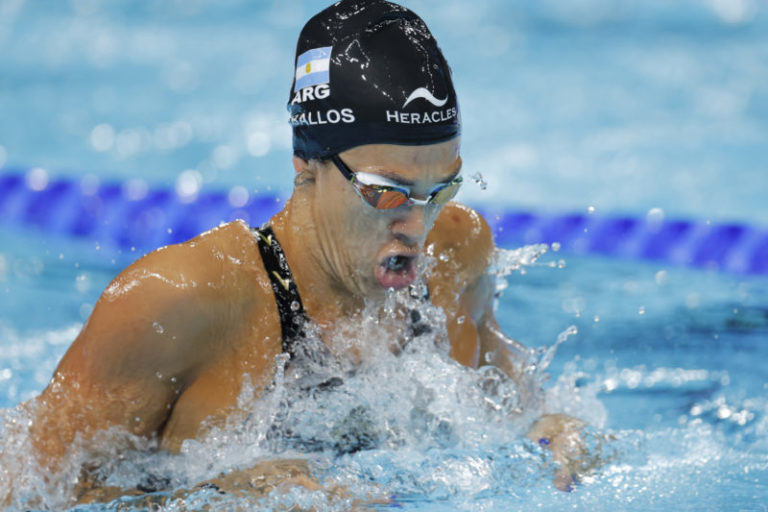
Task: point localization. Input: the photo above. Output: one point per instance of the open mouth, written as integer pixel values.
(396, 271)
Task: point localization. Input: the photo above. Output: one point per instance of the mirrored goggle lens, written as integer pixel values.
(446, 193)
(383, 198)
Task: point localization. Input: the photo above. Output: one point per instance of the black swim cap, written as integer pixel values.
(369, 72)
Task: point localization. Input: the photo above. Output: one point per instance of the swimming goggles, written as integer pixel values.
(379, 193)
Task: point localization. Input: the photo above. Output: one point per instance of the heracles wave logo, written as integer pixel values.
(423, 92)
(429, 117)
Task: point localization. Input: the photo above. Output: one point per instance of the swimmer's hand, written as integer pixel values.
(256, 482)
(281, 475)
(564, 437)
(264, 477)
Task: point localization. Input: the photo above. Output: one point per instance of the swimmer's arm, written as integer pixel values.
(143, 343)
(477, 340)
(560, 433)
(498, 349)
(463, 244)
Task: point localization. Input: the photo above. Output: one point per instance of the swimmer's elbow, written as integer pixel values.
(464, 241)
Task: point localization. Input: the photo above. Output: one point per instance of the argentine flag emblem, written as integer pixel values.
(312, 67)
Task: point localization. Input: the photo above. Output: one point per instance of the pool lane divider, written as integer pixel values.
(112, 216)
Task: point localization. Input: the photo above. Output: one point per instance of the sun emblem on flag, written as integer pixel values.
(312, 67)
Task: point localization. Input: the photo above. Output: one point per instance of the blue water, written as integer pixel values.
(622, 107)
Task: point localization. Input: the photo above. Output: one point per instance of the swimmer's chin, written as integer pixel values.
(396, 271)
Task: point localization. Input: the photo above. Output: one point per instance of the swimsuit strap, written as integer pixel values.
(293, 317)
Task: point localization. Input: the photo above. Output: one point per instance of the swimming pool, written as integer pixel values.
(624, 108)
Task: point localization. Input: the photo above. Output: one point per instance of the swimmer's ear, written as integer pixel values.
(300, 165)
(305, 171)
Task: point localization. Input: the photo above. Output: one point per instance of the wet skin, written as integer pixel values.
(168, 344)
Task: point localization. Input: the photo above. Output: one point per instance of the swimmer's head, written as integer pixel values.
(369, 72)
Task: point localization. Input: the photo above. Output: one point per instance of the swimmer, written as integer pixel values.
(376, 137)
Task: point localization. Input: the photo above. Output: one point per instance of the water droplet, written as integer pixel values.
(238, 196)
(655, 215)
(135, 189)
(102, 137)
(174, 379)
(572, 330)
(188, 185)
(295, 306)
(82, 283)
(596, 319)
(641, 310)
(591, 210)
(480, 180)
(158, 328)
(555, 246)
(460, 320)
(37, 179)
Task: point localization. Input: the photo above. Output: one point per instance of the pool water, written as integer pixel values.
(663, 360)
(582, 106)
(623, 106)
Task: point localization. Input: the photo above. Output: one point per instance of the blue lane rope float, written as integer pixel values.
(110, 215)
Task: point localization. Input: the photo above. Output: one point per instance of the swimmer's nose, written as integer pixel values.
(412, 225)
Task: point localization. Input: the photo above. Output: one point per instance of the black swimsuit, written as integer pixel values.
(356, 431)
(293, 317)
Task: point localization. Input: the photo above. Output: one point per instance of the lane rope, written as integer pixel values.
(110, 214)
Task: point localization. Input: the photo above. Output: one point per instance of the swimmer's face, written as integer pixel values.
(371, 249)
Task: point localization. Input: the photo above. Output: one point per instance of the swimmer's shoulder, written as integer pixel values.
(462, 242)
(214, 262)
(180, 308)
(205, 286)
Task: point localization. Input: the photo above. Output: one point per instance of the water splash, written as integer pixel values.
(549, 353)
(507, 261)
(404, 420)
(480, 180)
(443, 434)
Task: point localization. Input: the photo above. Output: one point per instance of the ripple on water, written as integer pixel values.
(419, 430)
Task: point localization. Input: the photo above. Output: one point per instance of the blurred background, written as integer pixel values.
(622, 106)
